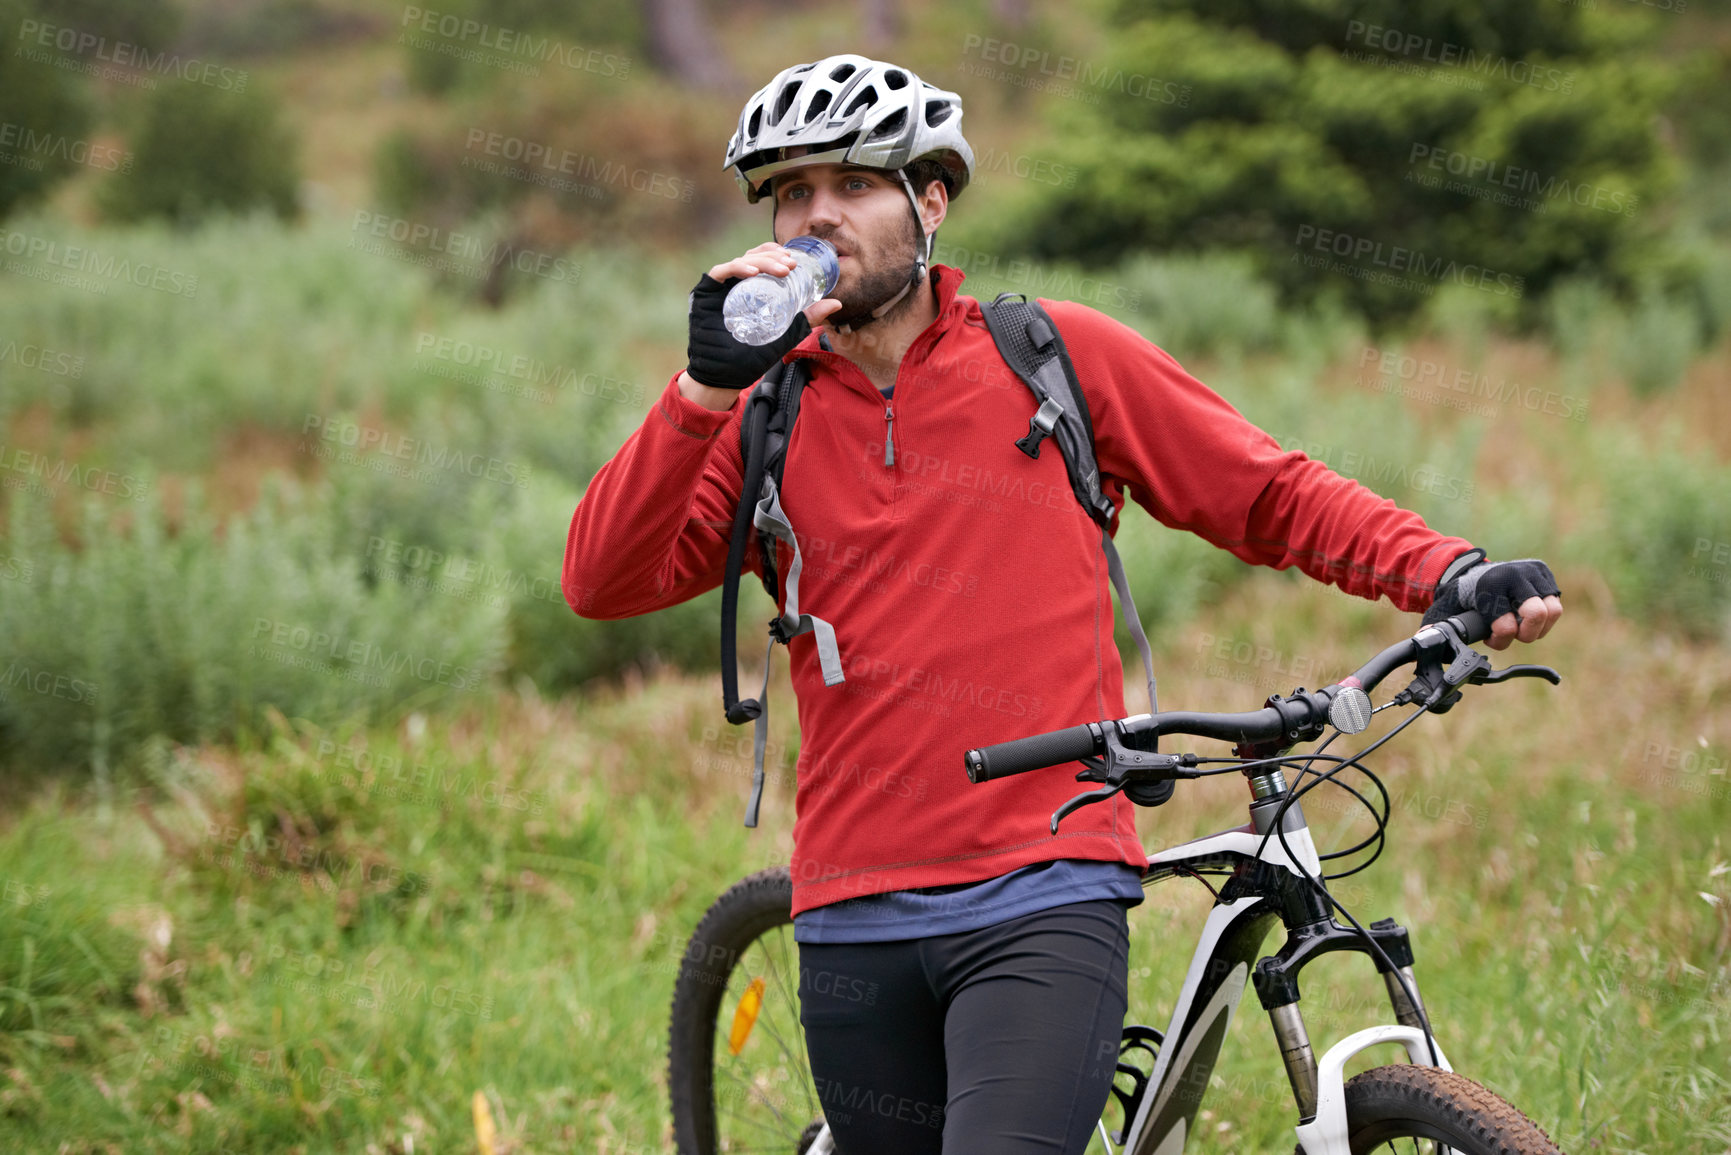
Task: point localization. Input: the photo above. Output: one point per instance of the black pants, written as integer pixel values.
(998, 1041)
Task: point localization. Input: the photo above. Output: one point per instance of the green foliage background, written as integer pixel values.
(1264, 124)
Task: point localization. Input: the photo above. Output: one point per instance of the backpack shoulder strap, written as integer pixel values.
(765, 427)
(1029, 341)
(753, 434)
(786, 386)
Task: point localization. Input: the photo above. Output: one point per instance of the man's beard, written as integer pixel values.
(874, 288)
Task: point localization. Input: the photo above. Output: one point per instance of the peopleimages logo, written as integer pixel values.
(35, 147)
(1495, 176)
(1398, 43)
(1041, 63)
(1379, 262)
(509, 46)
(532, 154)
(38, 35)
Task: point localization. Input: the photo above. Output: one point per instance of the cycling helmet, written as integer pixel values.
(850, 109)
(847, 109)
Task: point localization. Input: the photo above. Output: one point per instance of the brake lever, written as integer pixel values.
(1491, 677)
(1080, 801)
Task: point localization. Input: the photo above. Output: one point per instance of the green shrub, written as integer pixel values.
(193, 634)
(1660, 535)
(1658, 341)
(201, 150)
(1197, 305)
(1578, 311)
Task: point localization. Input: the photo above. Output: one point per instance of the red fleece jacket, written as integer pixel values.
(966, 585)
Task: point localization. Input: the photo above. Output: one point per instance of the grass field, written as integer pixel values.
(328, 940)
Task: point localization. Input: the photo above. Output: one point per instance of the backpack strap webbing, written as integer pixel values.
(764, 429)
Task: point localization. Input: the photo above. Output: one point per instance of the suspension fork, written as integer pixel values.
(1276, 979)
(1311, 933)
(1290, 1031)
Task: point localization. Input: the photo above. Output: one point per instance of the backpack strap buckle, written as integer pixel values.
(1040, 426)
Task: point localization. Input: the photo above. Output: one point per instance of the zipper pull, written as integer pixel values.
(889, 436)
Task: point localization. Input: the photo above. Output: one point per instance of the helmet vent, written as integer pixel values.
(937, 112)
(867, 96)
(784, 102)
(751, 130)
(818, 104)
(841, 72)
(892, 125)
(896, 78)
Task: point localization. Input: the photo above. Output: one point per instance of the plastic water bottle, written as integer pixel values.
(759, 309)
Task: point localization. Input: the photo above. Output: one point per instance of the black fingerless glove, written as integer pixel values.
(713, 357)
(1491, 588)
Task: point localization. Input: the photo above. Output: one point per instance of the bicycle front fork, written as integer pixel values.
(1277, 987)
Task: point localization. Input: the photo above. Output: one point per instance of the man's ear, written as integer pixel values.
(934, 206)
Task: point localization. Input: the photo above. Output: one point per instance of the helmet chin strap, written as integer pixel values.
(922, 258)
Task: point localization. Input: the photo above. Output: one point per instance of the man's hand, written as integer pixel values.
(717, 365)
(1519, 598)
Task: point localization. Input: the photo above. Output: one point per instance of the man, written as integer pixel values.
(970, 605)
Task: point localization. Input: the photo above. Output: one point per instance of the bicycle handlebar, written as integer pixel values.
(1283, 717)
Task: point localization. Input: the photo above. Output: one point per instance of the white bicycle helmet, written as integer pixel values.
(847, 109)
(850, 109)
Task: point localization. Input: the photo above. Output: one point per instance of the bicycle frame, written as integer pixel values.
(1267, 888)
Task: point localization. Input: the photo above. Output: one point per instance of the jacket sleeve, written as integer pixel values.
(652, 529)
(1194, 462)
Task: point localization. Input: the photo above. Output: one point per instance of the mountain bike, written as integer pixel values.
(738, 1075)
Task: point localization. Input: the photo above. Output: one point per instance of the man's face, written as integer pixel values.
(865, 214)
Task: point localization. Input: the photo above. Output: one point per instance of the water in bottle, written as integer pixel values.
(759, 309)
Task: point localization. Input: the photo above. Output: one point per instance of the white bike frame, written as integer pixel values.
(1226, 954)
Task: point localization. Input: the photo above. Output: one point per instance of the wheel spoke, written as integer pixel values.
(791, 994)
(806, 1083)
(748, 1090)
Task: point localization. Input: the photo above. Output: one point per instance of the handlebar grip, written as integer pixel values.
(1032, 753)
(1474, 628)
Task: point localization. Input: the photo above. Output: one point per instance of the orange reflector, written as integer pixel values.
(745, 1016)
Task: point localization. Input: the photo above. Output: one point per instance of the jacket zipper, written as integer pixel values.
(889, 436)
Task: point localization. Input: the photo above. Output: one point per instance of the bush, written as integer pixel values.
(1197, 305)
(1661, 533)
(201, 150)
(193, 634)
(1658, 342)
(582, 158)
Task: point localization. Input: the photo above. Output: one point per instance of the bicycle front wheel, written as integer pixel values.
(1405, 1108)
(736, 1063)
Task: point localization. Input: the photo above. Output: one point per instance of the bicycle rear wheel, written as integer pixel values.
(737, 1070)
(1405, 1108)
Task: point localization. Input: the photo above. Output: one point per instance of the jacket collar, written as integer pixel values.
(945, 282)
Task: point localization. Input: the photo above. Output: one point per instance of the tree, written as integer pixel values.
(1381, 149)
(43, 118)
(202, 149)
